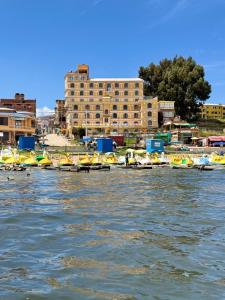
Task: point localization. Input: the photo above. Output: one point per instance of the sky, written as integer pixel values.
(40, 41)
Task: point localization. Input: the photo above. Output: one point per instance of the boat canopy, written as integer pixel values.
(184, 125)
(216, 138)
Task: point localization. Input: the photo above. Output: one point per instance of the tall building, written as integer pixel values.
(212, 111)
(107, 105)
(60, 114)
(19, 103)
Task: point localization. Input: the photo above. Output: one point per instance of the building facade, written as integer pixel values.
(107, 105)
(19, 103)
(167, 110)
(60, 114)
(212, 111)
(14, 124)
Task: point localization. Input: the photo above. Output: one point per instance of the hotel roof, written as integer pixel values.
(116, 79)
(213, 104)
(6, 109)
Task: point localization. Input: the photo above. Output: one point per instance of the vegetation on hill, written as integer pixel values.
(211, 127)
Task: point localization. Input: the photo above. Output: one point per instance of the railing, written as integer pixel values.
(21, 127)
(106, 125)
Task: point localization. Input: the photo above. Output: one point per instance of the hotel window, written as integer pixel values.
(136, 107)
(106, 120)
(81, 100)
(91, 85)
(75, 107)
(126, 85)
(136, 115)
(100, 93)
(100, 85)
(4, 121)
(125, 100)
(125, 116)
(149, 123)
(125, 123)
(97, 123)
(135, 123)
(88, 116)
(75, 116)
(72, 93)
(81, 85)
(136, 93)
(81, 93)
(71, 78)
(91, 93)
(91, 100)
(149, 105)
(114, 107)
(97, 116)
(117, 85)
(125, 93)
(149, 113)
(116, 100)
(114, 123)
(72, 85)
(125, 107)
(136, 85)
(87, 107)
(117, 93)
(108, 86)
(114, 116)
(106, 111)
(97, 107)
(75, 123)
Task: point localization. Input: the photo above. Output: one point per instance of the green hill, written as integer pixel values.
(211, 127)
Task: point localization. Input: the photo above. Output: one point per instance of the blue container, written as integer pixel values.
(26, 143)
(105, 145)
(154, 145)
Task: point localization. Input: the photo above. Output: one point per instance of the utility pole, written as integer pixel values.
(86, 129)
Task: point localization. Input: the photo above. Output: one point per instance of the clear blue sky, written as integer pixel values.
(41, 40)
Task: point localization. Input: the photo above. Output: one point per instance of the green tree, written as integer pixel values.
(78, 132)
(180, 80)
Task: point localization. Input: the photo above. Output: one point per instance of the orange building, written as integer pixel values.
(14, 124)
(19, 103)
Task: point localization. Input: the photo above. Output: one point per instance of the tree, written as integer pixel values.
(180, 80)
(78, 132)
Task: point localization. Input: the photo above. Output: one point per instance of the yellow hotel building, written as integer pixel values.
(212, 111)
(107, 105)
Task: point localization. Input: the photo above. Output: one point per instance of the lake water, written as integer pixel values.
(119, 235)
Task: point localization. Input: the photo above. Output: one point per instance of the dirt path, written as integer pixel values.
(56, 140)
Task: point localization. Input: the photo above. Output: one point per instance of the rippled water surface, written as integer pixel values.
(124, 234)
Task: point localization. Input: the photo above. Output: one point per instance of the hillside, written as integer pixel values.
(211, 127)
